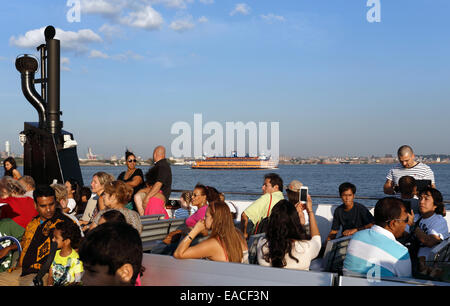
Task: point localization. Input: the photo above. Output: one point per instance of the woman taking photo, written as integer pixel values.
(226, 243)
(286, 244)
(10, 166)
(133, 177)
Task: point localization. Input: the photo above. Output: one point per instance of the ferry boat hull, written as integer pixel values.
(249, 163)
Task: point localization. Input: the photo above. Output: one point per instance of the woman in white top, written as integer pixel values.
(286, 244)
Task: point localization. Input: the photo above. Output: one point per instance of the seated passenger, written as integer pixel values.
(39, 232)
(201, 197)
(431, 227)
(117, 194)
(156, 204)
(375, 251)
(408, 192)
(112, 255)
(185, 206)
(293, 195)
(286, 244)
(272, 189)
(351, 216)
(226, 243)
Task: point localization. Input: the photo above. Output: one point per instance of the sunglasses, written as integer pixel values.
(404, 220)
(197, 195)
(131, 160)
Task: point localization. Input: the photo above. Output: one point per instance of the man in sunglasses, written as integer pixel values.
(375, 252)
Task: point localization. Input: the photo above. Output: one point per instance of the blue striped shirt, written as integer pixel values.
(376, 250)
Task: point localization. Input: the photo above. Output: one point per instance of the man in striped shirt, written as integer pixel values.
(376, 250)
(408, 167)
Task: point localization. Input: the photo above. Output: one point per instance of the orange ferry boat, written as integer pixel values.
(235, 162)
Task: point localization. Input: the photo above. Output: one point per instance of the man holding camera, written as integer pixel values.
(408, 166)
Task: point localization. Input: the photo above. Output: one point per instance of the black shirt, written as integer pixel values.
(163, 174)
(356, 217)
(137, 172)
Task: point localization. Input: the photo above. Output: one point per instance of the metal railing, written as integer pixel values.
(312, 196)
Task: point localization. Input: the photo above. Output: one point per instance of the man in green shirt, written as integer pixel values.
(262, 207)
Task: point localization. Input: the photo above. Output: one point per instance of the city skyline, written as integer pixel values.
(337, 83)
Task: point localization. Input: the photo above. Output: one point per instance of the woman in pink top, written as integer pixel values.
(156, 205)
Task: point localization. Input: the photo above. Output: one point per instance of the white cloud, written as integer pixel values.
(64, 64)
(182, 25)
(270, 18)
(240, 8)
(207, 1)
(147, 19)
(202, 19)
(2, 58)
(98, 54)
(111, 31)
(177, 4)
(103, 7)
(70, 41)
(117, 57)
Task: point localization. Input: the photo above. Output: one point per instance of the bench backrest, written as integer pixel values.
(158, 229)
(334, 255)
(152, 217)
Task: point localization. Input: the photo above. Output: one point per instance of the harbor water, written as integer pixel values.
(321, 179)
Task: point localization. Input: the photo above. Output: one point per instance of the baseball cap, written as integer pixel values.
(294, 186)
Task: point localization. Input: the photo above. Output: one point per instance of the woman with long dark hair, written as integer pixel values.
(10, 166)
(225, 243)
(286, 243)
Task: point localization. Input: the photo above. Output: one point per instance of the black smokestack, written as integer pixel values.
(54, 123)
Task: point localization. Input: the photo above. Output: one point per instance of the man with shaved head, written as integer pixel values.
(161, 173)
(408, 167)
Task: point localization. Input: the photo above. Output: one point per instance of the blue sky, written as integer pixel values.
(336, 83)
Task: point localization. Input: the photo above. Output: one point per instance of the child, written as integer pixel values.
(185, 201)
(66, 269)
(112, 255)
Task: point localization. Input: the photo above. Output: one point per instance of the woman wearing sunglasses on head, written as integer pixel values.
(133, 177)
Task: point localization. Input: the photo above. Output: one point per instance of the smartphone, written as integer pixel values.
(303, 194)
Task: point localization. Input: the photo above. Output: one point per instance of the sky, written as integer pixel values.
(337, 84)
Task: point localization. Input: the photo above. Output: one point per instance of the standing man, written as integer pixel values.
(163, 174)
(262, 207)
(408, 166)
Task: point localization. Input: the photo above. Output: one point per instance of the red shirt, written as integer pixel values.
(20, 210)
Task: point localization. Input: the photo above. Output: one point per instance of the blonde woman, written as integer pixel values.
(96, 203)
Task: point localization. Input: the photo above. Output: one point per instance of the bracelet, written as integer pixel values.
(189, 237)
(309, 212)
